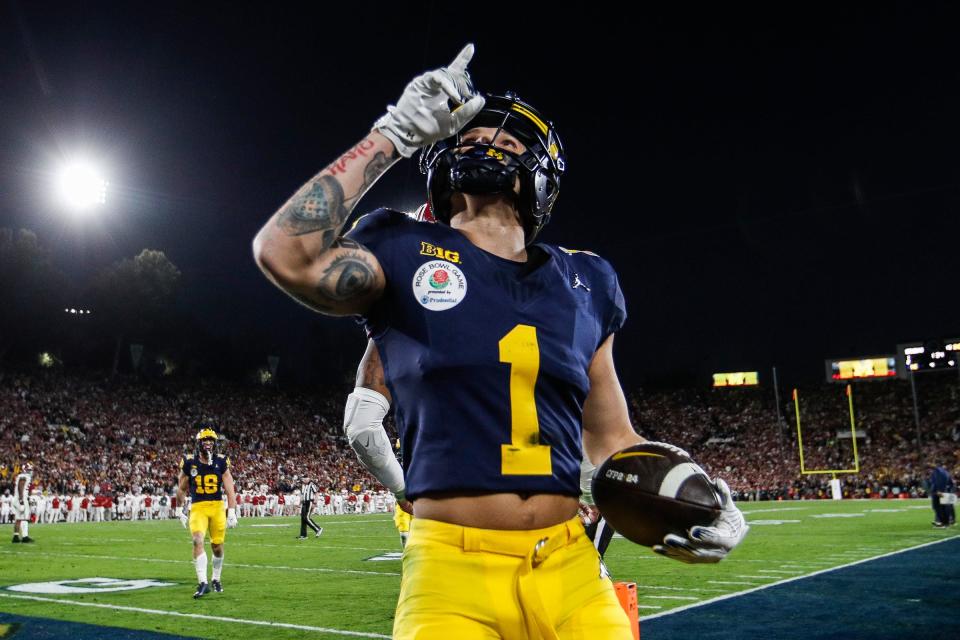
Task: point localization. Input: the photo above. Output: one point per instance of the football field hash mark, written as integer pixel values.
(789, 573)
(691, 589)
(198, 616)
(756, 577)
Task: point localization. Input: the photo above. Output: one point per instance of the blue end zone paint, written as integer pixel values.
(914, 594)
(24, 628)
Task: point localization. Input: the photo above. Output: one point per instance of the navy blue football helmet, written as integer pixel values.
(476, 168)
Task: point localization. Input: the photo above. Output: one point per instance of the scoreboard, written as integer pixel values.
(932, 355)
(872, 368)
(736, 379)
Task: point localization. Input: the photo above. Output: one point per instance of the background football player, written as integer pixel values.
(206, 476)
(21, 504)
(493, 380)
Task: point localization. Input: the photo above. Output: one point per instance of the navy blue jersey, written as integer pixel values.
(206, 480)
(486, 359)
(940, 480)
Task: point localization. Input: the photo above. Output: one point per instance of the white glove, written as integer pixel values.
(184, 517)
(422, 115)
(709, 544)
(231, 518)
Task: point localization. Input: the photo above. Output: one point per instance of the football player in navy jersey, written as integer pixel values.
(498, 353)
(206, 476)
(366, 408)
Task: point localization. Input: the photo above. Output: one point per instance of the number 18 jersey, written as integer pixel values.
(206, 480)
(486, 358)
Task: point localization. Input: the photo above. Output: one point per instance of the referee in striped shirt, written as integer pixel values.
(309, 490)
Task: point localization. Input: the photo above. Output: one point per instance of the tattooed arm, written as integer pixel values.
(300, 249)
(370, 372)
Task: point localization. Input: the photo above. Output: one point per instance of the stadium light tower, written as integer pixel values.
(81, 186)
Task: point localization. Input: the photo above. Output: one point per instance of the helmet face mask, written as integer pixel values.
(483, 169)
(206, 441)
(475, 167)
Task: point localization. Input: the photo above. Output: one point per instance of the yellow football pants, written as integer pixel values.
(209, 515)
(472, 584)
(402, 520)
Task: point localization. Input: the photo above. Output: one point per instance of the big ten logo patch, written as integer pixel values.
(427, 249)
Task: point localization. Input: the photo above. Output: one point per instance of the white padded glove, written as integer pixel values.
(422, 116)
(709, 544)
(184, 517)
(231, 518)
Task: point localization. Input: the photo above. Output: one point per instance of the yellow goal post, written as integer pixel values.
(853, 438)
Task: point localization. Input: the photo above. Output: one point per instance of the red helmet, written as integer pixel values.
(423, 213)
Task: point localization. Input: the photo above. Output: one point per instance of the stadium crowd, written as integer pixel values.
(122, 438)
(120, 435)
(738, 434)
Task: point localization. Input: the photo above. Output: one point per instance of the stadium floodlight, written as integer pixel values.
(81, 186)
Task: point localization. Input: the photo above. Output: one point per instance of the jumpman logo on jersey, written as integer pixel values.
(577, 282)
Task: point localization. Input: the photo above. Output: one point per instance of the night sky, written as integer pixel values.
(774, 188)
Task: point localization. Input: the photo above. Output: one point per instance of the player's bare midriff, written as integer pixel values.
(498, 510)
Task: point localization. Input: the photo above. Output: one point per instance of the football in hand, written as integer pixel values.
(649, 490)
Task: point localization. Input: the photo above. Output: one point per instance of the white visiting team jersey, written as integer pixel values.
(17, 497)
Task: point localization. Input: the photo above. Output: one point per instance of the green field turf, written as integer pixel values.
(326, 586)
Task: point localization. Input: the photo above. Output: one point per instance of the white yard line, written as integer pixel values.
(730, 582)
(645, 598)
(691, 589)
(788, 580)
(789, 573)
(228, 564)
(282, 521)
(198, 616)
(746, 513)
(93, 541)
(312, 546)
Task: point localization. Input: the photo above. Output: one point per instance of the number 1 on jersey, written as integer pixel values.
(524, 455)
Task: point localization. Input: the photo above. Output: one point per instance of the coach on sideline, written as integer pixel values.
(306, 504)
